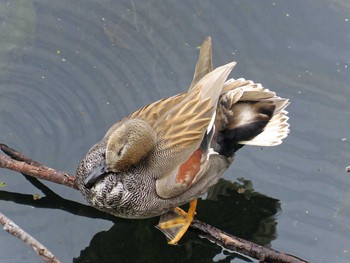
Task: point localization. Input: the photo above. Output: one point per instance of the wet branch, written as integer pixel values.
(18, 232)
(23, 164)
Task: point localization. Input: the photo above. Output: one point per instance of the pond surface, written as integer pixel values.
(70, 69)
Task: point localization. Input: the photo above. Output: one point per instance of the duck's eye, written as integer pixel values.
(119, 153)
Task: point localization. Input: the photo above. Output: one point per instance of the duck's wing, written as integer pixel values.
(182, 131)
(151, 112)
(204, 63)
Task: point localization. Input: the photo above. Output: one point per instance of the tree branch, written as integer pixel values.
(20, 163)
(18, 232)
(23, 164)
(240, 245)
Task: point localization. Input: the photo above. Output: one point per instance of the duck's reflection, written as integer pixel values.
(242, 212)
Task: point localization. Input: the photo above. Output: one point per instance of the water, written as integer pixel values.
(70, 69)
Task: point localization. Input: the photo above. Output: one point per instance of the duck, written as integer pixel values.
(170, 152)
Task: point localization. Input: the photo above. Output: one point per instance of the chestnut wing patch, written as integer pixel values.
(189, 169)
(184, 177)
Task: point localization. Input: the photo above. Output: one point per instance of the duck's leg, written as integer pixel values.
(174, 225)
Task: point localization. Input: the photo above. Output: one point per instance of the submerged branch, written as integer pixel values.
(23, 164)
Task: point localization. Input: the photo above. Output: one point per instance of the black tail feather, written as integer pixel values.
(246, 120)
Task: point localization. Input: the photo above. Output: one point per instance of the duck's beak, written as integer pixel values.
(96, 174)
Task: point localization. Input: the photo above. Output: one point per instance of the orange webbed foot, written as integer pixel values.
(175, 223)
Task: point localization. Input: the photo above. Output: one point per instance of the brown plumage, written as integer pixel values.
(170, 152)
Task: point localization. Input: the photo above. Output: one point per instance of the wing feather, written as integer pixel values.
(204, 63)
(183, 129)
(151, 112)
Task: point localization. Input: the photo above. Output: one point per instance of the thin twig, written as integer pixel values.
(23, 164)
(18, 232)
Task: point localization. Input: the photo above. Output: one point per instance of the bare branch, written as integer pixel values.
(20, 163)
(17, 155)
(242, 246)
(23, 164)
(18, 232)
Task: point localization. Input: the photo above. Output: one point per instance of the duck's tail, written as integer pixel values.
(249, 114)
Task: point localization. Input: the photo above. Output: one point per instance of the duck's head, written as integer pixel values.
(128, 144)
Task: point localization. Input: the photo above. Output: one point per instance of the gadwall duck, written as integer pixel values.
(172, 151)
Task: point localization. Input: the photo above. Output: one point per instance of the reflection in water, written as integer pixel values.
(248, 214)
